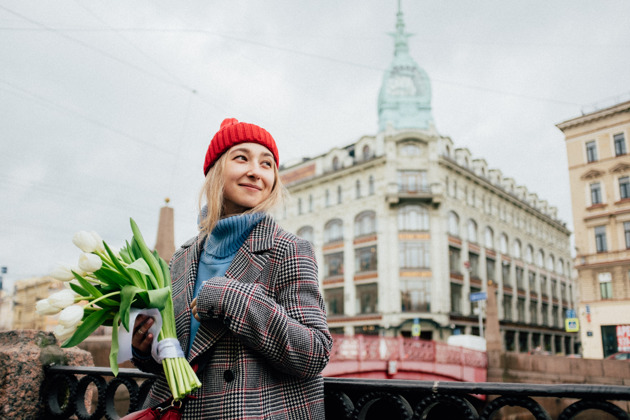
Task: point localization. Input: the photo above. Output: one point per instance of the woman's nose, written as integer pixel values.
(253, 170)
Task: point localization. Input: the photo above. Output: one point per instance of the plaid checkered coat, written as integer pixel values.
(263, 337)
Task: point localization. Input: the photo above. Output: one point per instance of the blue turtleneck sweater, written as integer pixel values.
(219, 251)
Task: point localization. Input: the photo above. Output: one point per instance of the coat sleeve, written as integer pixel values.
(288, 326)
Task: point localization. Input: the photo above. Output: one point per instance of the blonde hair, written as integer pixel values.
(212, 192)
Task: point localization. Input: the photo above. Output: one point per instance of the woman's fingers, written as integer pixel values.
(193, 308)
(141, 339)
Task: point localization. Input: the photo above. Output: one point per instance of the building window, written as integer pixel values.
(333, 231)
(310, 203)
(620, 144)
(413, 218)
(410, 150)
(532, 281)
(605, 285)
(454, 260)
(490, 269)
(456, 298)
(545, 314)
(335, 163)
(533, 313)
(299, 206)
(591, 151)
(333, 264)
(520, 280)
(473, 265)
(624, 187)
(371, 185)
(520, 309)
(554, 289)
(339, 195)
(488, 238)
(415, 255)
(507, 307)
(517, 249)
(543, 286)
(596, 193)
(453, 223)
(505, 273)
(327, 195)
(357, 189)
(415, 295)
(626, 233)
(306, 232)
(503, 243)
(600, 238)
(367, 299)
(412, 181)
(529, 254)
(365, 259)
(334, 301)
(367, 153)
(472, 231)
(365, 223)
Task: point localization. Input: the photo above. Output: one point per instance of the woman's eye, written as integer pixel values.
(240, 157)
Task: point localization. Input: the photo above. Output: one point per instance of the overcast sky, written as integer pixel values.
(107, 107)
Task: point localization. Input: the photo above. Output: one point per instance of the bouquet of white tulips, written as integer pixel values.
(112, 284)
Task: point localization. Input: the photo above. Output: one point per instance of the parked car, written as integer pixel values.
(622, 355)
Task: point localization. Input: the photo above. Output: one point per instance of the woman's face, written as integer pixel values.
(249, 177)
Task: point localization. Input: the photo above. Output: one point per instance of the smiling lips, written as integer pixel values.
(251, 186)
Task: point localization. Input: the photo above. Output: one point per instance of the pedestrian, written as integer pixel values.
(249, 314)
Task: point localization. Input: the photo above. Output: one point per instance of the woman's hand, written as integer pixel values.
(141, 339)
(193, 308)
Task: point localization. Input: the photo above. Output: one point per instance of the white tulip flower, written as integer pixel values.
(62, 272)
(86, 241)
(99, 241)
(62, 299)
(71, 316)
(90, 262)
(43, 307)
(63, 333)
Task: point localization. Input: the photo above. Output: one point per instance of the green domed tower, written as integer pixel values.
(405, 97)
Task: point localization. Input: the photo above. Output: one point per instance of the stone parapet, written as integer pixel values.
(23, 356)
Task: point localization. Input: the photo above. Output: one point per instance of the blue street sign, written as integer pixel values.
(474, 297)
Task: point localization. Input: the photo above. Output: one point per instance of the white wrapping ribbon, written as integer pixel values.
(168, 348)
(124, 336)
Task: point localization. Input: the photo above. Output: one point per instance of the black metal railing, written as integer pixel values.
(64, 394)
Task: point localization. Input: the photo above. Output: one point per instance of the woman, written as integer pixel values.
(248, 310)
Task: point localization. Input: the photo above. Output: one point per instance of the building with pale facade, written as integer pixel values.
(27, 293)
(407, 227)
(599, 171)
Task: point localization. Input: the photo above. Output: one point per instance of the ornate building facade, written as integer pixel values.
(599, 171)
(407, 227)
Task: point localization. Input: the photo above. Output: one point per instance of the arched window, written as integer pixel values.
(365, 223)
(540, 258)
(503, 243)
(371, 185)
(306, 232)
(367, 153)
(335, 163)
(488, 238)
(517, 249)
(453, 223)
(410, 150)
(529, 254)
(413, 217)
(358, 189)
(560, 266)
(472, 231)
(551, 262)
(333, 231)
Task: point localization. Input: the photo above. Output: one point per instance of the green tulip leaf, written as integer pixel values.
(78, 289)
(148, 256)
(87, 327)
(141, 266)
(158, 298)
(128, 294)
(113, 353)
(89, 287)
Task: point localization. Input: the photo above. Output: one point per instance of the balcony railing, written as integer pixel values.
(65, 393)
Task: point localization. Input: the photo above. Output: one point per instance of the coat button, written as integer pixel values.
(228, 375)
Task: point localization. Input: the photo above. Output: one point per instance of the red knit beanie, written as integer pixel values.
(233, 132)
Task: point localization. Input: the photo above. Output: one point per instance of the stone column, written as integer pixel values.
(23, 356)
(165, 242)
(494, 344)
